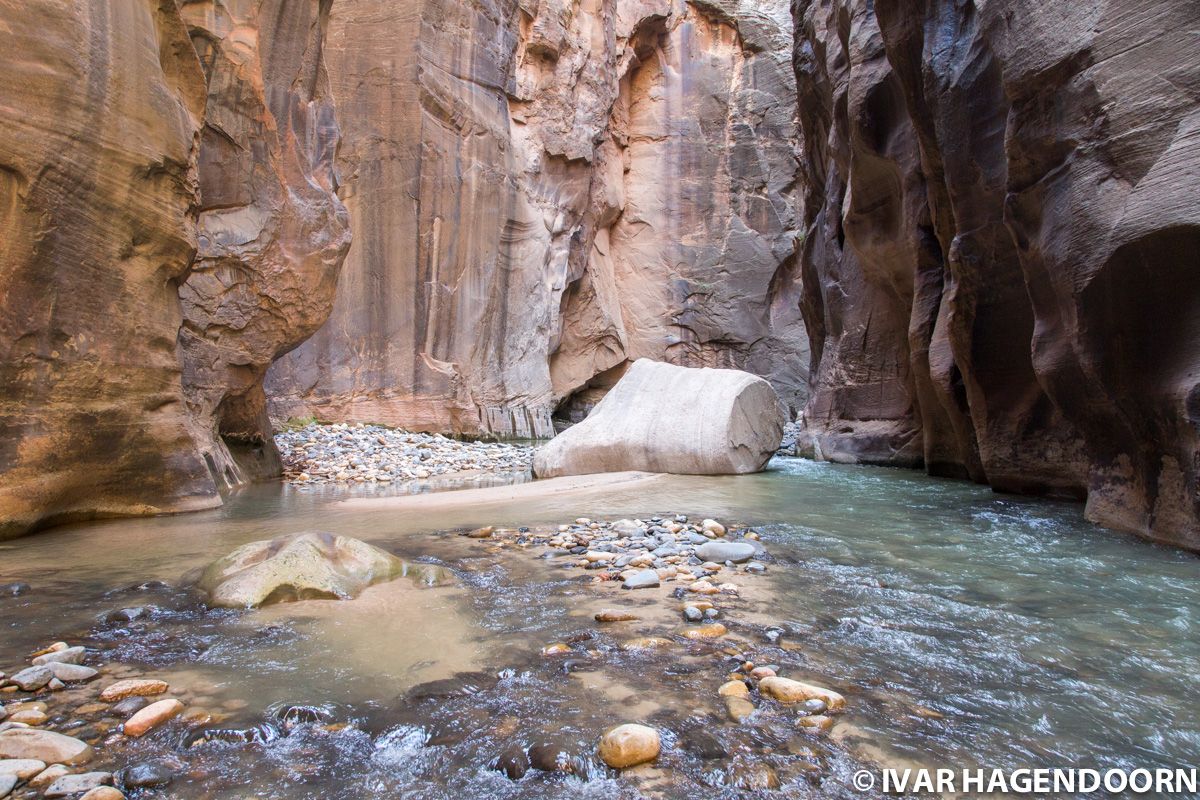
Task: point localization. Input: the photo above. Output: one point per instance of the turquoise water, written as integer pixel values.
(965, 628)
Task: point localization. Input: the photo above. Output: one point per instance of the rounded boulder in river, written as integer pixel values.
(629, 745)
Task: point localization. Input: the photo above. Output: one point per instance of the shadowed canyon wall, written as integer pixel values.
(1002, 220)
(166, 229)
(272, 233)
(542, 192)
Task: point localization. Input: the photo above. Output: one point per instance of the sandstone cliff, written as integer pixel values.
(166, 229)
(99, 112)
(543, 191)
(272, 233)
(1002, 221)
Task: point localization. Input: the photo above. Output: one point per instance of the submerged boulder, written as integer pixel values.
(664, 418)
(302, 567)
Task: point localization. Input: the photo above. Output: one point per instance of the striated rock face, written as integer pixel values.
(167, 228)
(100, 106)
(542, 192)
(1002, 221)
(664, 418)
(272, 233)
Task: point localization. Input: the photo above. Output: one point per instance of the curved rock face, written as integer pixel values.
(542, 192)
(100, 106)
(1002, 221)
(155, 213)
(272, 232)
(664, 418)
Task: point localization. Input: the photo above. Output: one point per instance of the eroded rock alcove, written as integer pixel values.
(543, 192)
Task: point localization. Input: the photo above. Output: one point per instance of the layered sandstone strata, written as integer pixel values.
(167, 228)
(542, 192)
(272, 233)
(100, 107)
(1002, 222)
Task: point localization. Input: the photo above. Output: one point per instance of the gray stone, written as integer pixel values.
(146, 775)
(72, 655)
(31, 679)
(129, 706)
(736, 552)
(71, 673)
(69, 785)
(646, 579)
(8, 782)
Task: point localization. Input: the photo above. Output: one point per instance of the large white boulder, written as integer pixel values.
(663, 418)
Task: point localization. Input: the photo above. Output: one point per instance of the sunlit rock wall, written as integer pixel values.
(167, 228)
(540, 193)
(100, 109)
(1002, 221)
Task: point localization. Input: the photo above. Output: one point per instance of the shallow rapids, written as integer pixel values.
(964, 628)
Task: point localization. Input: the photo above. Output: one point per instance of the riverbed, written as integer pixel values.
(964, 628)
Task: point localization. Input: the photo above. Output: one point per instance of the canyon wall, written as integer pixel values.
(1002, 220)
(100, 106)
(271, 232)
(543, 191)
(166, 229)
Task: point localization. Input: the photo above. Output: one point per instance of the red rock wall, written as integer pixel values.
(167, 228)
(100, 108)
(1001, 223)
(272, 233)
(543, 191)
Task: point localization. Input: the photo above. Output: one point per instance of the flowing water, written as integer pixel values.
(965, 629)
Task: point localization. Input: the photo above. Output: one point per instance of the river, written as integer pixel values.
(965, 629)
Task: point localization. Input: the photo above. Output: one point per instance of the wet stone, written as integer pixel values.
(813, 706)
(31, 679)
(69, 785)
(261, 733)
(629, 745)
(129, 706)
(14, 589)
(702, 744)
(146, 775)
(550, 757)
(133, 687)
(646, 579)
(753, 776)
(292, 715)
(513, 762)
